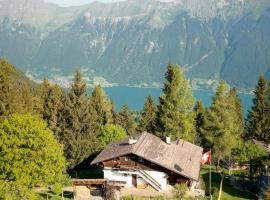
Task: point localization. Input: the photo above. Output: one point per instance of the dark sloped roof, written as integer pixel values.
(265, 147)
(180, 156)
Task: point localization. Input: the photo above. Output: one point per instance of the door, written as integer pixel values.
(134, 180)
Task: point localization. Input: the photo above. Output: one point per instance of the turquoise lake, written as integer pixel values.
(135, 97)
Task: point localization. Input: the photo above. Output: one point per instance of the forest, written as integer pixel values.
(46, 130)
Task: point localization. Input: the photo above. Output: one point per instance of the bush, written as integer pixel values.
(57, 188)
(179, 190)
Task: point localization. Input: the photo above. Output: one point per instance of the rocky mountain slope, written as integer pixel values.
(130, 43)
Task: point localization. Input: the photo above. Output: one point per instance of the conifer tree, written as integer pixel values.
(267, 114)
(102, 106)
(256, 120)
(199, 116)
(125, 119)
(15, 93)
(8, 96)
(175, 110)
(221, 123)
(51, 102)
(235, 105)
(148, 116)
(77, 124)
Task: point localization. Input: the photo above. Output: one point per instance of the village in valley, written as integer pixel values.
(67, 144)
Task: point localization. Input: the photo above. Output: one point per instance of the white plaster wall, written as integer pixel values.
(160, 177)
(126, 176)
(114, 175)
(141, 181)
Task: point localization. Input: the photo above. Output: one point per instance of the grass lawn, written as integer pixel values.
(228, 192)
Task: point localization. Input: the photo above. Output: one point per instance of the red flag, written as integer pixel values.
(206, 158)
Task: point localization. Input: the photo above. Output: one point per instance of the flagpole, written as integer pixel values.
(210, 175)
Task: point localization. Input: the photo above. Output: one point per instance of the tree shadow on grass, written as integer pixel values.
(215, 181)
(227, 188)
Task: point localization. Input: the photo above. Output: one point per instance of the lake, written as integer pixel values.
(135, 97)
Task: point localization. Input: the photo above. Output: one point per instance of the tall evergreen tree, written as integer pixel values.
(175, 110)
(102, 106)
(15, 93)
(199, 116)
(221, 123)
(51, 102)
(8, 96)
(125, 119)
(256, 119)
(235, 105)
(148, 116)
(267, 114)
(77, 126)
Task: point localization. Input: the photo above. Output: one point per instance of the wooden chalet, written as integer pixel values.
(147, 161)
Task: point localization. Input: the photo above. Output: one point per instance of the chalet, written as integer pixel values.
(147, 161)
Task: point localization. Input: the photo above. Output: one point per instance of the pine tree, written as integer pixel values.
(126, 120)
(148, 116)
(267, 114)
(77, 123)
(235, 105)
(256, 120)
(8, 96)
(102, 105)
(175, 110)
(15, 92)
(51, 102)
(199, 116)
(221, 123)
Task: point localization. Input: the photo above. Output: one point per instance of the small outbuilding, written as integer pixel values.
(147, 161)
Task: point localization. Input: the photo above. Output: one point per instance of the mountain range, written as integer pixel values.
(130, 43)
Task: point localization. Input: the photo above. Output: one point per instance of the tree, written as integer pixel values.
(221, 124)
(102, 105)
(175, 110)
(30, 156)
(77, 122)
(110, 133)
(126, 120)
(247, 151)
(51, 102)
(267, 115)
(16, 95)
(199, 116)
(257, 120)
(148, 116)
(235, 105)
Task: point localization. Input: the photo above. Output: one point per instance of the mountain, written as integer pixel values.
(131, 42)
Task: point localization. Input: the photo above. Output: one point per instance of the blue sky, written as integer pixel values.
(79, 2)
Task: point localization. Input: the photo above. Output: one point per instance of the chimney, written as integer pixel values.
(132, 141)
(168, 140)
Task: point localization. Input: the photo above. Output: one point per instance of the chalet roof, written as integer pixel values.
(181, 157)
(265, 147)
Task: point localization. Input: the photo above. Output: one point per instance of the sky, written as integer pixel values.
(80, 2)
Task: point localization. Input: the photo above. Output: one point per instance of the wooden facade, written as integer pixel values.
(133, 162)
